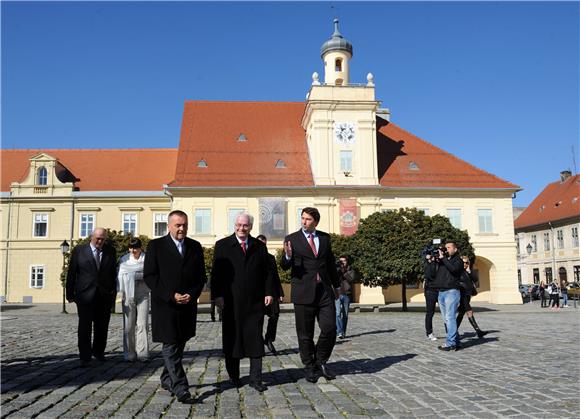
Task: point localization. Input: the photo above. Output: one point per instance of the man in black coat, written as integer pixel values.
(174, 271)
(91, 284)
(241, 285)
(273, 310)
(315, 286)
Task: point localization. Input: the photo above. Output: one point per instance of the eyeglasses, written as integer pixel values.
(242, 225)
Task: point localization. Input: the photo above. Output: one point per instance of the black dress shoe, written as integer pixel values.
(100, 357)
(256, 385)
(85, 363)
(185, 398)
(270, 347)
(326, 373)
(236, 382)
(310, 375)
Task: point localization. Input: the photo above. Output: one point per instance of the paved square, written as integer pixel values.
(526, 367)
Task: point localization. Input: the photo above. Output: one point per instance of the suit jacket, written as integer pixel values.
(242, 280)
(166, 272)
(305, 266)
(84, 280)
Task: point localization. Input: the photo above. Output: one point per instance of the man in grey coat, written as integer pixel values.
(175, 272)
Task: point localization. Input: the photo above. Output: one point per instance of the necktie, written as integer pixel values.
(243, 247)
(312, 245)
(98, 258)
(180, 248)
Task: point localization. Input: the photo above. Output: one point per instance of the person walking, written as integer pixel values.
(542, 294)
(91, 284)
(564, 292)
(554, 296)
(174, 271)
(308, 253)
(468, 289)
(135, 300)
(346, 277)
(241, 285)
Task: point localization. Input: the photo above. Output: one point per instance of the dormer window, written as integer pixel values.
(413, 166)
(242, 137)
(202, 163)
(280, 164)
(42, 176)
(338, 65)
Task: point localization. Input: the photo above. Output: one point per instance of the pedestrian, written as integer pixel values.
(174, 270)
(273, 310)
(431, 294)
(135, 300)
(91, 284)
(468, 289)
(308, 253)
(554, 296)
(564, 292)
(542, 294)
(346, 277)
(241, 285)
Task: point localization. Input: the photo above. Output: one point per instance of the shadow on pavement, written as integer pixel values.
(372, 332)
(8, 307)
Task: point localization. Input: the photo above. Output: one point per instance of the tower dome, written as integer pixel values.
(337, 42)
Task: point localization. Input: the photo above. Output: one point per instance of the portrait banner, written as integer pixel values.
(349, 216)
(272, 216)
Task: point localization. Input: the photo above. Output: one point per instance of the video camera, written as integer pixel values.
(433, 249)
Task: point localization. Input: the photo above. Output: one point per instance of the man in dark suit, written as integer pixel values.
(91, 284)
(174, 271)
(314, 288)
(241, 285)
(273, 310)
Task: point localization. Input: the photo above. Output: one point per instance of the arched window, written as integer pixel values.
(338, 64)
(42, 176)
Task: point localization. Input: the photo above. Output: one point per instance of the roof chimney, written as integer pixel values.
(565, 174)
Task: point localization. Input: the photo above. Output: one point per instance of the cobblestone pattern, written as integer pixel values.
(526, 367)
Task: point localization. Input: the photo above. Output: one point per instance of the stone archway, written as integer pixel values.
(485, 271)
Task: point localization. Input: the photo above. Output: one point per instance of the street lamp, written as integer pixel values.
(64, 248)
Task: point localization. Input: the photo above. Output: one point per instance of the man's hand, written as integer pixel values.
(281, 299)
(268, 300)
(336, 293)
(219, 301)
(182, 298)
(440, 253)
(288, 249)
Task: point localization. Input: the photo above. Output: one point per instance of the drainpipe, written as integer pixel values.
(7, 247)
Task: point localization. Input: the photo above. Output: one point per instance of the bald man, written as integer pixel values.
(91, 284)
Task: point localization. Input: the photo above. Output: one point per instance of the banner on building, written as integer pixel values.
(349, 216)
(272, 215)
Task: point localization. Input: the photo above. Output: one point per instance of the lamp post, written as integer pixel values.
(529, 249)
(64, 248)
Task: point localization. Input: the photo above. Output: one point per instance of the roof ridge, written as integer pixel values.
(242, 101)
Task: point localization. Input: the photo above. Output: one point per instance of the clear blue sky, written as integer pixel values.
(495, 83)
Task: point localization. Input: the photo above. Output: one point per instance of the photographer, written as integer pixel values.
(449, 270)
(346, 275)
(431, 294)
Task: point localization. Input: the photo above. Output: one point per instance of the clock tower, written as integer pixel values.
(340, 120)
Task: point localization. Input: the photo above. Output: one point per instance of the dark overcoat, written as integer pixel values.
(305, 266)
(84, 279)
(166, 272)
(242, 280)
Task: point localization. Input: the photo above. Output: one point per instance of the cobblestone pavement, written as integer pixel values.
(526, 367)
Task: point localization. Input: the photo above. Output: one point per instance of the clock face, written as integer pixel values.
(344, 132)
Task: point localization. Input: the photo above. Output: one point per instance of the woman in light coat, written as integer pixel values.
(135, 303)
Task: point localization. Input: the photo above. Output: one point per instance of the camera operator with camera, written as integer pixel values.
(447, 279)
(431, 293)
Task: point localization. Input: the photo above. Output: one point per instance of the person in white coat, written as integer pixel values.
(135, 295)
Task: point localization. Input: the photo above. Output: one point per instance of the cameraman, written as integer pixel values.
(449, 270)
(431, 294)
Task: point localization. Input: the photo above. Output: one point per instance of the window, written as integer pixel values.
(203, 221)
(299, 218)
(130, 223)
(536, 273)
(42, 176)
(40, 227)
(159, 225)
(87, 224)
(518, 249)
(560, 238)
(454, 215)
(232, 214)
(36, 276)
(427, 211)
(338, 65)
(485, 221)
(574, 231)
(346, 161)
(548, 274)
(519, 277)
(534, 243)
(577, 273)
(547, 242)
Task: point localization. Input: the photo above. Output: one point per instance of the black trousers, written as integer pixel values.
(273, 313)
(173, 375)
(323, 310)
(431, 297)
(233, 368)
(93, 320)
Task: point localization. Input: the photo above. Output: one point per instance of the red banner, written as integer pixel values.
(348, 216)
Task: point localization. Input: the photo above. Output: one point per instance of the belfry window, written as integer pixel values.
(338, 64)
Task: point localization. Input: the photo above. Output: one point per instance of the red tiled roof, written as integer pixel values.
(99, 170)
(558, 201)
(405, 160)
(273, 131)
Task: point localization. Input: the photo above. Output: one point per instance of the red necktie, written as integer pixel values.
(312, 245)
(243, 247)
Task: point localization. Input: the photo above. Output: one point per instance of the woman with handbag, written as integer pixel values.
(468, 289)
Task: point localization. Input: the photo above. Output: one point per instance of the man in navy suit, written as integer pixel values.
(91, 284)
(315, 285)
